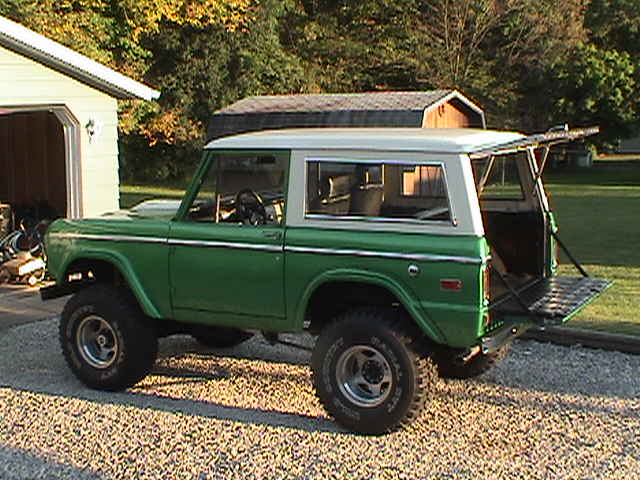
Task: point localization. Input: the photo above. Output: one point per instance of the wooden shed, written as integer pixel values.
(58, 126)
(437, 108)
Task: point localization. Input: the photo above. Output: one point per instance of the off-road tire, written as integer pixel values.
(451, 365)
(220, 337)
(112, 316)
(392, 343)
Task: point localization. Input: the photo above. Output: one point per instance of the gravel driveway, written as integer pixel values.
(547, 412)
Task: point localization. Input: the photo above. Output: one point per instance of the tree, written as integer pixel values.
(487, 48)
(200, 69)
(598, 87)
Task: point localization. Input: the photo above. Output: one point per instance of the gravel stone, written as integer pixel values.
(546, 412)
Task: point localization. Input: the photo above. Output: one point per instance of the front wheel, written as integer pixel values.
(106, 340)
(369, 372)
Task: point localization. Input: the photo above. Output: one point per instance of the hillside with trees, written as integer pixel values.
(531, 65)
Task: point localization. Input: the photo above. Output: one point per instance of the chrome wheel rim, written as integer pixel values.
(97, 342)
(364, 376)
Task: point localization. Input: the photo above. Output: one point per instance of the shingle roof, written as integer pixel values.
(376, 109)
(15, 37)
(412, 101)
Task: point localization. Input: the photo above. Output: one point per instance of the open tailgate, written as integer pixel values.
(551, 300)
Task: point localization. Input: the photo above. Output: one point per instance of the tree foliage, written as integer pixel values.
(530, 64)
(598, 87)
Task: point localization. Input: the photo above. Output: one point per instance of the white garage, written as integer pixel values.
(58, 126)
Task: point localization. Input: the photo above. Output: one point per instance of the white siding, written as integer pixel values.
(24, 82)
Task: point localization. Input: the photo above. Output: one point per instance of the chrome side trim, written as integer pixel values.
(215, 244)
(158, 240)
(110, 238)
(364, 220)
(419, 257)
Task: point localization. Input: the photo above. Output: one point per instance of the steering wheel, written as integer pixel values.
(250, 208)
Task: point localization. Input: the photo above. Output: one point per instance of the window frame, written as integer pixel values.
(451, 222)
(209, 162)
(517, 164)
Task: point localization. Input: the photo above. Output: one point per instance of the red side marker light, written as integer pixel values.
(451, 284)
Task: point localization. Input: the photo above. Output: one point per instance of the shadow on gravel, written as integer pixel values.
(19, 464)
(35, 364)
(256, 349)
(204, 409)
(192, 367)
(544, 377)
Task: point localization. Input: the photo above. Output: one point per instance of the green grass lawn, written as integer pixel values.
(598, 213)
(131, 195)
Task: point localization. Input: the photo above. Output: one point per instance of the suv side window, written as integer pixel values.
(382, 191)
(498, 177)
(242, 188)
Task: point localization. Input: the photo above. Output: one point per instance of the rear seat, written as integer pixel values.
(335, 195)
(366, 200)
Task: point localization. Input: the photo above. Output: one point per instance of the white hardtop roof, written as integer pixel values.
(58, 57)
(441, 140)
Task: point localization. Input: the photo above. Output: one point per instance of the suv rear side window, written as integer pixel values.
(498, 177)
(377, 191)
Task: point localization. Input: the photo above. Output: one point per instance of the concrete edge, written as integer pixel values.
(585, 338)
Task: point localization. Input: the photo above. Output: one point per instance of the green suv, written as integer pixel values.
(410, 253)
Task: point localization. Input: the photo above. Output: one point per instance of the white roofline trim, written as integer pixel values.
(416, 139)
(39, 48)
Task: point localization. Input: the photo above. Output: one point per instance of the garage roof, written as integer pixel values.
(19, 39)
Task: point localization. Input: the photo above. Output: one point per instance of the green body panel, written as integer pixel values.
(451, 317)
(227, 269)
(269, 288)
(143, 265)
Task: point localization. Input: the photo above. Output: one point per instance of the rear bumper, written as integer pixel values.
(502, 336)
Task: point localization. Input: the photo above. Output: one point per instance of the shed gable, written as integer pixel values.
(438, 108)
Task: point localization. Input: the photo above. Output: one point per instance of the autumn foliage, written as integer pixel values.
(529, 64)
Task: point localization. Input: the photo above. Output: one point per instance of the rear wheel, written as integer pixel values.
(106, 340)
(221, 337)
(453, 364)
(369, 372)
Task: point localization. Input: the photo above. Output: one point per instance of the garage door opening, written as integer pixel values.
(38, 152)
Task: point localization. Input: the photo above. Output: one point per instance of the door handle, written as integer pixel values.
(272, 235)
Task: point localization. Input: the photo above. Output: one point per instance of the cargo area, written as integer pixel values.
(523, 247)
(514, 221)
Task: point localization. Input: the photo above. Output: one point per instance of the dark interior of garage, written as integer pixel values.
(33, 182)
